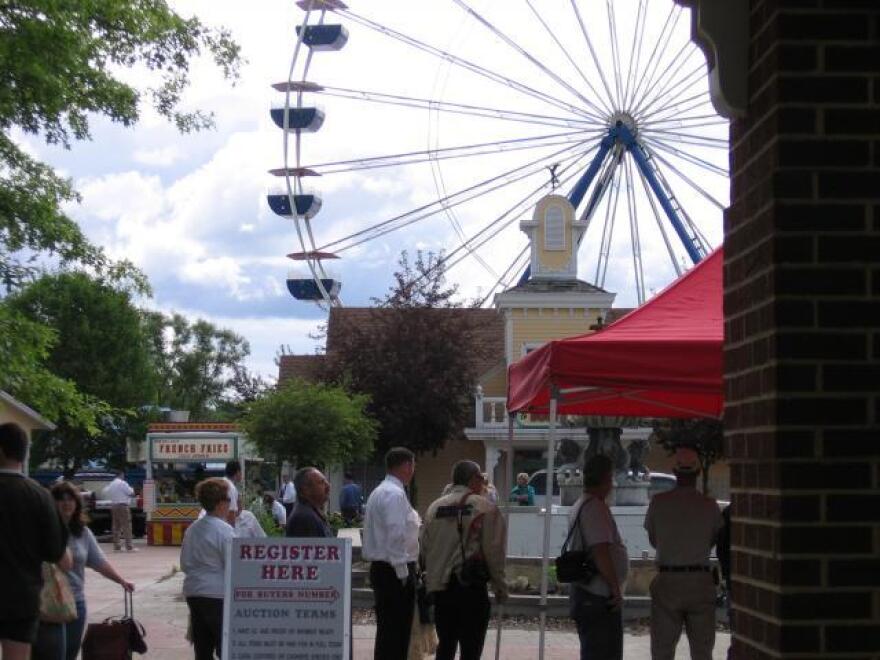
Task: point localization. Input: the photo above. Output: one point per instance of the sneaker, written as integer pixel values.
(132, 550)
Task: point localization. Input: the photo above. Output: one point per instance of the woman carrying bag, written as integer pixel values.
(84, 551)
(57, 608)
(597, 602)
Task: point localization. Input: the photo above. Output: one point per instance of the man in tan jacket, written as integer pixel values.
(463, 546)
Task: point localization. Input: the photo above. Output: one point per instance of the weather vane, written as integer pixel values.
(554, 180)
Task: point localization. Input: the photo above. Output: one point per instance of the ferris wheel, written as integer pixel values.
(467, 112)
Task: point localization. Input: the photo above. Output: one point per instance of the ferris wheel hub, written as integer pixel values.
(625, 119)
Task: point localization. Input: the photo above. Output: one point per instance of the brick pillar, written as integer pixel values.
(802, 353)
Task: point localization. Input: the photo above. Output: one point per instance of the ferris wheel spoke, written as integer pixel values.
(464, 195)
(684, 123)
(662, 145)
(583, 27)
(688, 138)
(655, 58)
(608, 230)
(463, 63)
(657, 87)
(635, 237)
(501, 281)
(522, 51)
(456, 108)
(684, 177)
(615, 52)
(446, 153)
(605, 109)
(681, 107)
(660, 224)
(636, 53)
(676, 90)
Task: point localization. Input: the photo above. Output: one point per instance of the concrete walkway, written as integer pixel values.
(160, 607)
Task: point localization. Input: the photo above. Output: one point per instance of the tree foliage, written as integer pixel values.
(415, 359)
(310, 424)
(100, 342)
(60, 62)
(198, 366)
(703, 435)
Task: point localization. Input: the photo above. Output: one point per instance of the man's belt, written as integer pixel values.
(693, 568)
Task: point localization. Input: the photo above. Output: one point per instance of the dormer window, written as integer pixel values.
(554, 228)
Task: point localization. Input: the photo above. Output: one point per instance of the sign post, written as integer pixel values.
(288, 599)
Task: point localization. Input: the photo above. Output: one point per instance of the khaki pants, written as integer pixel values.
(682, 599)
(121, 516)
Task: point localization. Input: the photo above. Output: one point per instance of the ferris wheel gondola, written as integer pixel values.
(618, 119)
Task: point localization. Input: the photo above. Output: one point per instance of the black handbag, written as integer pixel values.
(575, 565)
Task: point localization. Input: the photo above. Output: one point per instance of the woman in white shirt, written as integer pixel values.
(203, 558)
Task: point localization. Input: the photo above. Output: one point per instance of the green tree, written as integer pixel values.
(61, 62)
(199, 367)
(310, 424)
(100, 340)
(416, 359)
(98, 346)
(703, 435)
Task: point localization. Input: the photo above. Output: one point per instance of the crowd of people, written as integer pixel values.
(43, 530)
(430, 578)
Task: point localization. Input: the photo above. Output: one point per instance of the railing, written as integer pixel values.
(491, 411)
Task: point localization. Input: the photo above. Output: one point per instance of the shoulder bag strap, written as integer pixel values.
(576, 526)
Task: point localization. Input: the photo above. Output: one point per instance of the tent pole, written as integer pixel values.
(548, 515)
(508, 468)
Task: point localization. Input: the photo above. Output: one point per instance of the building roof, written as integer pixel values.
(177, 427)
(30, 413)
(555, 286)
(307, 367)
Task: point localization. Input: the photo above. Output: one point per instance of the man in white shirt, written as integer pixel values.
(288, 495)
(233, 476)
(120, 493)
(276, 509)
(391, 544)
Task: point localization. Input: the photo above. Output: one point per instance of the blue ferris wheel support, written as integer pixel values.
(621, 134)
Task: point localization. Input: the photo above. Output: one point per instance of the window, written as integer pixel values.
(554, 228)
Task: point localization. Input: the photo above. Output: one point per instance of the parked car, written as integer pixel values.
(92, 485)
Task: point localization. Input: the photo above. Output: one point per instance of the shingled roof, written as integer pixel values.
(307, 367)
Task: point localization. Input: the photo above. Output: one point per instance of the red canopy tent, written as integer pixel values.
(661, 360)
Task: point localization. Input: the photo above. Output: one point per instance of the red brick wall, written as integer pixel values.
(802, 353)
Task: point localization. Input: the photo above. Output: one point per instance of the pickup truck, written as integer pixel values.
(92, 485)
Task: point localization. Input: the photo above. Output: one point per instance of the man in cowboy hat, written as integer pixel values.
(683, 525)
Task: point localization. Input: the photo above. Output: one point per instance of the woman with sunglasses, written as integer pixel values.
(203, 559)
(83, 550)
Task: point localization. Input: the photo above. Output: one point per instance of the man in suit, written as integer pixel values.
(307, 518)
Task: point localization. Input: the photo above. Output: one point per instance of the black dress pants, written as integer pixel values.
(461, 616)
(395, 603)
(207, 626)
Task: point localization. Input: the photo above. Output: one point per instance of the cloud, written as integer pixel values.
(190, 209)
(160, 156)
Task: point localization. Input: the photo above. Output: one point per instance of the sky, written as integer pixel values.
(190, 210)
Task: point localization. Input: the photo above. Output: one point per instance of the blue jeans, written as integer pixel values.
(600, 629)
(75, 630)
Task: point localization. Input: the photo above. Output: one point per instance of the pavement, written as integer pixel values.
(160, 607)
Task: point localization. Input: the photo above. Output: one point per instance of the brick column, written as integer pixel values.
(802, 354)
